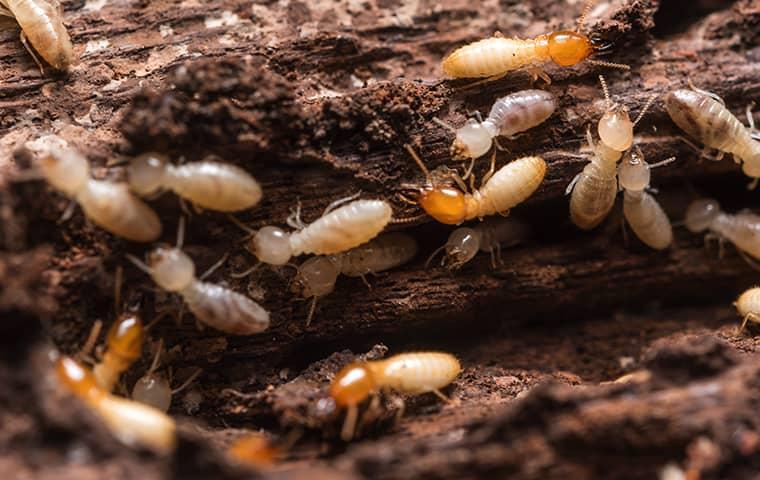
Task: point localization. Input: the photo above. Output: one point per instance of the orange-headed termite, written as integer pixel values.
(742, 229)
(212, 304)
(511, 185)
(133, 423)
(409, 373)
(704, 117)
(108, 204)
(498, 55)
(645, 216)
(316, 276)
(41, 24)
(748, 305)
(489, 236)
(207, 184)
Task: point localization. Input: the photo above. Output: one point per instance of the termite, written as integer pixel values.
(155, 389)
(133, 423)
(496, 56)
(409, 373)
(41, 24)
(742, 229)
(212, 304)
(108, 204)
(489, 236)
(316, 277)
(704, 117)
(337, 230)
(207, 184)
(124, 347)
(593, 191)
(511, 185)
(644, 214)
(748, 305)
(510, 115)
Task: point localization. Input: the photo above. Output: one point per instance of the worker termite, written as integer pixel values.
(316, 277)
(644, 214)
(510, 115)
(496, 56)
(41, 24)
(490, 236)
(133, 423)
(212, 304)
(410, 373)
(748, 305)
(704, 117)
(742, 229)
(593, 191)
(207, 184)
(110, 205)
(511, 185)
(337, 230)
(155, 389)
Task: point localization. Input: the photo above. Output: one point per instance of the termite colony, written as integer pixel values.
(349, 237)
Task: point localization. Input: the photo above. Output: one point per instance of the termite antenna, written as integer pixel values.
(92, 338)
(407, 220)
(180, 233)
(154, 364)
(584, 14)
(606, 91)
(662, 163)
(312, 309)
(187, 382)
(432, 255)
(138, 263)
(601, 63)
(648, 104)
(417, 159)
(444, 124)
(245, 272)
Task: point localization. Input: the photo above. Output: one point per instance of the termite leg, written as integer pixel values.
(340, 202)
(349, 424)
(312, 309)
(537, 73)
(747, 318)
(183, 206)
(294, 219)
(440, 395)
(468, 172)
(31, 51)
(490, 171)
(750, 261)
(750, 118)
(66, 215)
(499, 260)
(753, 184)
(492, 251)
(490, 79)
(214, 267)
(92, 339)
(501, 147)
(400, 405)
(476, 114)
(366, 282)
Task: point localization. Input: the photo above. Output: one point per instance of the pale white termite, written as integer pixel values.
(133, 423)
(644, 214)
(510, 115)
(704, 117)
(316, 276)
(511, 185)
(212, 304)
(498, 55)
(155, 389)
(108, 204)
(410, 373)
(207, 184)
(41, 24)
(593, 191)
(489, 236)
(748, 305)
(742, 229)
(337, 230)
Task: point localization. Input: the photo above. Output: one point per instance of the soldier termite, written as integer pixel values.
(41, 24)
(155, 389)
(748, 305)
(593, 191)
(337, 230)
(511, 185)
(704, 117)
(133, 423)
(108, 204)
(742, 229)
(207, 184)
(316, 277)
(212, 304)
(489, 236)
(496, 56)
(645, 216)
(510, 115)
(409, 373)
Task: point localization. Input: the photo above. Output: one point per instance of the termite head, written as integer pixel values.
(146, 173)
(255, 450)
(315, 278)
(78, 379)
(66, 170)
(170, 268)
(567, 48)
(473, 140)
(462, 246)
(272, 245)
(634, 172)
(616, 128)
(125, 337)
(353, 384)
(700, 214)
(153, 389)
